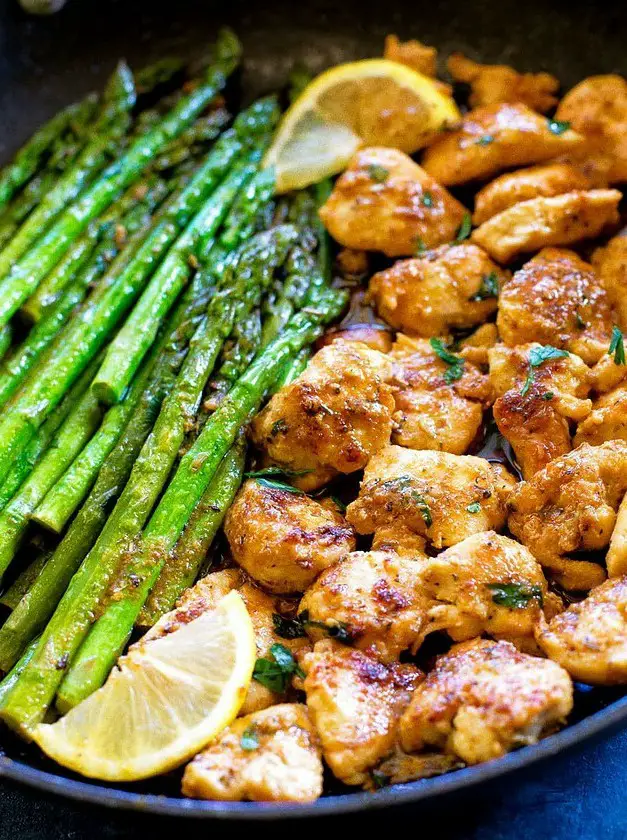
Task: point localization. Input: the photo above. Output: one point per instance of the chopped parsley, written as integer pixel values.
(272, 484)
(489, 288)
(474, 507)
(581, 324)
(538, 356)
(339, 631)
(288, 628)
(465, 228)
(420, 247)
(423, 507)
(249, 740)
(379, 779)
(455, 363)
(403, 485)
(548, 395)
(485, 140)
(617, 346)
(279, 427)
(338, 503)
(516, 596)
(378, 173)
(558, 126)
(427, 199)
(270, 472)
(275, 673)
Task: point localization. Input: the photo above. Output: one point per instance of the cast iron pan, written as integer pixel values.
(45, 63)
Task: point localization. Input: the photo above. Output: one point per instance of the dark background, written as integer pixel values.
(45, 63)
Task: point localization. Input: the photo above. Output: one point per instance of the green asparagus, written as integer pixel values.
(24, 581)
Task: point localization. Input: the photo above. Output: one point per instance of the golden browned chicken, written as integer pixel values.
(484, 699)
(487, 583)
(523, 184)
(616, 557)
(590, 638)
(355, 703)
(386, 202)
(283, 538)
(494, 138)
(556, 299)
(451, 287)
(536, 397)
(570, 506)
(333, 417)
(597, 108)
(540, 222)
(205, 595)
(610, 263)
(374, 599)
(434, 411)
(401, 767)
(491, 83)
(269, 756)
(412, 53)
(607, 420)
(443, 497)
(474, 347)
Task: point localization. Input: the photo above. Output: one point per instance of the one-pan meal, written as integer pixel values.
(313, 428)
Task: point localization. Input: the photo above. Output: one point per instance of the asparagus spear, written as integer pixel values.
(30, 615)
(14, 674)
(109, 128)
(196, 470)
(6, 337)
(33, 267)
(20, 586)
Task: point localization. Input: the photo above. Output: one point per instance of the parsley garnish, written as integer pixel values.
(617, 346)
(423, 507)
(456, 363)
(548, 395)
(379, 779)
(420, 247)
(465, 228)
(275, 673)
(249, 740)
(489, 288)
(516, 596)
(279, 485)
(427, 199)
(378, 173)
(279, 426)
(338, 503)
(474, 507)
(537, 357)
(581, 324)
(558, 126)
(485, 140)
(288, 628)
(269, 472)
(339, 631)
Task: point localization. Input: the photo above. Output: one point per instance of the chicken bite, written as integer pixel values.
(484, 699)
(386, 202)
(493, 138)
(283, 538)
(610, 263)
(442, 497)
(570, 506)
(597, 109)
(374, 598)
(433, 412)
(556, 299)
(412, 53)
(606, 421)
(492, 83)
(332, 418)
(523, 184)
(269, 756)
(453, 287)
(589, 639)
(355, 703)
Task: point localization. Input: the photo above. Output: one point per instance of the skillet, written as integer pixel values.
(47, 62)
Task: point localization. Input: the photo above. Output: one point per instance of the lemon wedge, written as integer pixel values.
(375, 102)
(163, 703)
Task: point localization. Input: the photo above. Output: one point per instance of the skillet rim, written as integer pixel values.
(602, 722)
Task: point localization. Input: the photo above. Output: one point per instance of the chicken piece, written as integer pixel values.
(375, 336)
(616, 557)
(523, 184)
(333, 417)
(569, 506)
(493, 138)
(430, 493)
(590, 638)
(375, 598)
(401, 767)
(474, 348)
(453, 287)
(269, 756)
(386, 202)
(540, 222)
(355, 703)
(607, 420)
(485, 584)
(534, 404)
(431, 412)
(398, 539)
(597, 109)
(284, 539)
(556, 299)
(412, 53)
(606, 374)
(610, 264)
(484, 699)
(205, 595)
(493, 83)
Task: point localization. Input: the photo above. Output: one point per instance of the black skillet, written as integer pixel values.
(47, 62)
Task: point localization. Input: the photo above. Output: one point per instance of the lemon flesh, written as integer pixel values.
(375, 102)
(164, 703)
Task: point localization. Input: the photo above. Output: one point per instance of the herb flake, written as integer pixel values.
(489, 288)
(474, 507)
(558, 126)
(288, 628)
(339, 631)
(378, 173)
(275, 673)
(420, 248)
(464, 229)
(272, 484)
(617, 346)
(455, 363)
(249, 740)
(537, 357)
(269, 472)
(485, 140)
(515, 596)
(427, 199)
